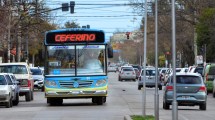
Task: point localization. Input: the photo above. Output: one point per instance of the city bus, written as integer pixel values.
(76, 65)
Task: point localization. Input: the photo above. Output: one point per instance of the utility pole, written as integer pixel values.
(174, 102)
(156, 104)
(8, 35)
(144, 61)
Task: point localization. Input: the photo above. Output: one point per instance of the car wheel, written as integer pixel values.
(32, 95)
(160, 87)
(165, 106)
(42, 89)
(214, 94)
(202, 106)
(16, 102)
(9, 103)
(28, 96)
(139, 87)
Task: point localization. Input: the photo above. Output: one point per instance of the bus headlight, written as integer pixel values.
(100, 82)
(50, 83)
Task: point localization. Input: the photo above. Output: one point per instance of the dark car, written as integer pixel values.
(190, 90)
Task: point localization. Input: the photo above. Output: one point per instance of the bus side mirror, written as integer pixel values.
(110, 51)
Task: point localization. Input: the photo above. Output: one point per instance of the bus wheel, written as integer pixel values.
(94, 100)
(55, 101)
(104, 99)
(100, 100)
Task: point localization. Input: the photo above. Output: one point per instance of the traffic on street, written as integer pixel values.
(123, 99)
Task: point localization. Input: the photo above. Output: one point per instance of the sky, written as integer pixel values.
(110, 18)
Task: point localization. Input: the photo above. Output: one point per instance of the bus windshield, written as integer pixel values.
(76, 60)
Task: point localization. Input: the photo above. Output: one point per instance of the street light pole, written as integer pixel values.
(156, 104)
(174, 102)
(8, 36)
(144, 61)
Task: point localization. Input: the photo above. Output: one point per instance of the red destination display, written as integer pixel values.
(75, 37)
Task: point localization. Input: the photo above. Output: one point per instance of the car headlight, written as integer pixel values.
(50, 83)
(100, 82)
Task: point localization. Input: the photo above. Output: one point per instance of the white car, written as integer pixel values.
(6, 90)
(22, 73)
(127, 73)
(38, 77)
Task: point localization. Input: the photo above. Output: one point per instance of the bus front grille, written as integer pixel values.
(75, 84)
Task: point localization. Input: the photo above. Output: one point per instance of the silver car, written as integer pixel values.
(190, 90)
(150, 79)
(127, 73)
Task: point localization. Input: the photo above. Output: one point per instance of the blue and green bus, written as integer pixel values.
(76, 65)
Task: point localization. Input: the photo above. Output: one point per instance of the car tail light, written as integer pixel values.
(169, 88)
(25, 83)
(29, 83)
(202, 89)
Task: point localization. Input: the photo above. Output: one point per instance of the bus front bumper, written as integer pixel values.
(75, 93)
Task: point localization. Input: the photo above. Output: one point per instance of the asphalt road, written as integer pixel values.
(124, 99)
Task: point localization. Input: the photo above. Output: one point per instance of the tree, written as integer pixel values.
(205, 31)
(187, 16)
(72, 24)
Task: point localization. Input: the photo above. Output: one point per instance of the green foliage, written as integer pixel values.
(139, 117)
(205, 31)
(162, 60)
(72, 24)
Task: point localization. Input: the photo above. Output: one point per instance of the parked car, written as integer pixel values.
(127, 73)
(38, 77)
(209, 76)
(16, 88)
(6, 90)
(191, 91)
(23, 75)
(150, 79)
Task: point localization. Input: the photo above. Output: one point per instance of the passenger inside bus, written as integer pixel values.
(92, 60)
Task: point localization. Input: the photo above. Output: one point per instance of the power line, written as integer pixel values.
(97, 16)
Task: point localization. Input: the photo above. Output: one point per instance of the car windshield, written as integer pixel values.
(211, 70)
(188, 79)
(127, 69)
(36, 71)
(149, 73)
(15, 69)
(198, 70)
(2, 80)
(163, 71)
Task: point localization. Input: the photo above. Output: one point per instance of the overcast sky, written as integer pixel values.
(110, 18)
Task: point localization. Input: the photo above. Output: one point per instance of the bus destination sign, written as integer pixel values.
(75, 37)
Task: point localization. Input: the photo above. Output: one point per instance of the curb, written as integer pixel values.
(127, 117)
